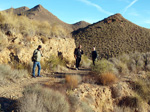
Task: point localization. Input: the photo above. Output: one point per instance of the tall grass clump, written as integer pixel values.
(72, 81)
(107, 78)
(40, 99)
(7, 74)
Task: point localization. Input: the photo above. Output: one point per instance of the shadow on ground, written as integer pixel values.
(72, 71)
(7, 105)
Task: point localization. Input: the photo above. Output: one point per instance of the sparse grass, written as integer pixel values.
(11, 75)
(29, 28)
(72, 81)
(121, 67)
(107, 78)
(141, 87)
(58, 30)
(38, 98)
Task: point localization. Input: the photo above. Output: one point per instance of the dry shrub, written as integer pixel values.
(72, 81)
(58, 30)
(141, 87)
(120, 66)
(7, 74)
(44, 39)
(116, 91)
(107, 78)
(40, 99)
(42, 28)
(77, 105)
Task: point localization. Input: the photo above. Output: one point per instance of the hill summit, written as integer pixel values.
(113, 36)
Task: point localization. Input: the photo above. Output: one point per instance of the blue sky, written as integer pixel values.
(71, 11)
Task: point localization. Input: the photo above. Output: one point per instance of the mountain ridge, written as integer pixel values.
(113, 36)
(39, 13)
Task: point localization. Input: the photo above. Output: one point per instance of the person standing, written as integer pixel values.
(36, 61)
(94, 55)
(78, 54)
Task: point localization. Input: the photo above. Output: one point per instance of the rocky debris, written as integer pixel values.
(98, 97)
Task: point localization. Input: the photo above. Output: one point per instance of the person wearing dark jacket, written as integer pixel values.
(78, 54)
(94, 55)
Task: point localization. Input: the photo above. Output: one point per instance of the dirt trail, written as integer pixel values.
(14, 90)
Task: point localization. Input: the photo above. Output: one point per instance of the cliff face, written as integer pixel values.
(21, 48)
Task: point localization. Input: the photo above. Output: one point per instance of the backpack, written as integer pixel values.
(34, 57)
(75, 51)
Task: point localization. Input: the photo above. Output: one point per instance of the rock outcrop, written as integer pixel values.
(21, 48)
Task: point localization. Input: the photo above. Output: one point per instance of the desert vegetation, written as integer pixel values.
(45, 99)
(119, 82)
(29, 28)
(8, 75)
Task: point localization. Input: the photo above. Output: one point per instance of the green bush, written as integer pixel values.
(104, 66)
(54, 63)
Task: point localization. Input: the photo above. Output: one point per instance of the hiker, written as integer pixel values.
(77, 54)
(94, 55)
(36, 61)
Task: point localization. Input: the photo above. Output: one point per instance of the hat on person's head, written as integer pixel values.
(39, 46)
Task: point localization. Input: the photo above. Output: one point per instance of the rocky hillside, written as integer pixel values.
(113, 36)
(20, 36)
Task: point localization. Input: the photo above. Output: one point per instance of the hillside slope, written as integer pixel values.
(113, 36)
